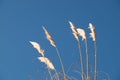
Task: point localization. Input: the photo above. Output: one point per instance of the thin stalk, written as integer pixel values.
(95, 56)
(51, 78)
(87, 59)
(81, 61)
(50, 72)
(56, 74)
(58, 54)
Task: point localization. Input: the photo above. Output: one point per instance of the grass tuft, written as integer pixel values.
(84, 73)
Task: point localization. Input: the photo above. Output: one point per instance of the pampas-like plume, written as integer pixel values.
(49, 37)
(37, 47)
(92, 29)
(47, 62)
(81, 33)
(93, 35)
(41, 51)
(75, 33)
(74, 30)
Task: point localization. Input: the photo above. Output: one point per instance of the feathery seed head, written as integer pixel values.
(74, 30)
(49, 37)
(37, 47)
(93, 33)
(81, 33)
(47, 62)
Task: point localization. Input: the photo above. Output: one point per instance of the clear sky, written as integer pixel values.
(21, 21)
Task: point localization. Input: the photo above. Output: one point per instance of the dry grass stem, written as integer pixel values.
(58, 54)
(57, 77)
(75, 33)
(93, 36)
(37, 47)
(95, 55)
(81, 60)
(87, 59)
(49, 37)
(82, 33)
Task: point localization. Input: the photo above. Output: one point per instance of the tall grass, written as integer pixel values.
(93, 36)
(75, 33)
(43, 58)
(52, 42)
(81, 36)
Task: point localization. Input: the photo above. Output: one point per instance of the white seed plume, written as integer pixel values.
(74, 30)
(47, 62)
(37, 47)
(72, 26)
(81, 33)
(92, 34)
(49, 37)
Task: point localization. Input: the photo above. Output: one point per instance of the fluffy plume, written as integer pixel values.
(81, 33)
(47, 62)
(92, 34)
(49, 37)
(37, 47)
(74, 30)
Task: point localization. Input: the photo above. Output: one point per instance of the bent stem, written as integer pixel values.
(50, 74)
(87, 59)
(51, 78)
(58, 54)
(95, 55)
(56, 74)
(81, 61)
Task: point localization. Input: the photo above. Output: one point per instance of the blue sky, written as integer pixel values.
(21, 21)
